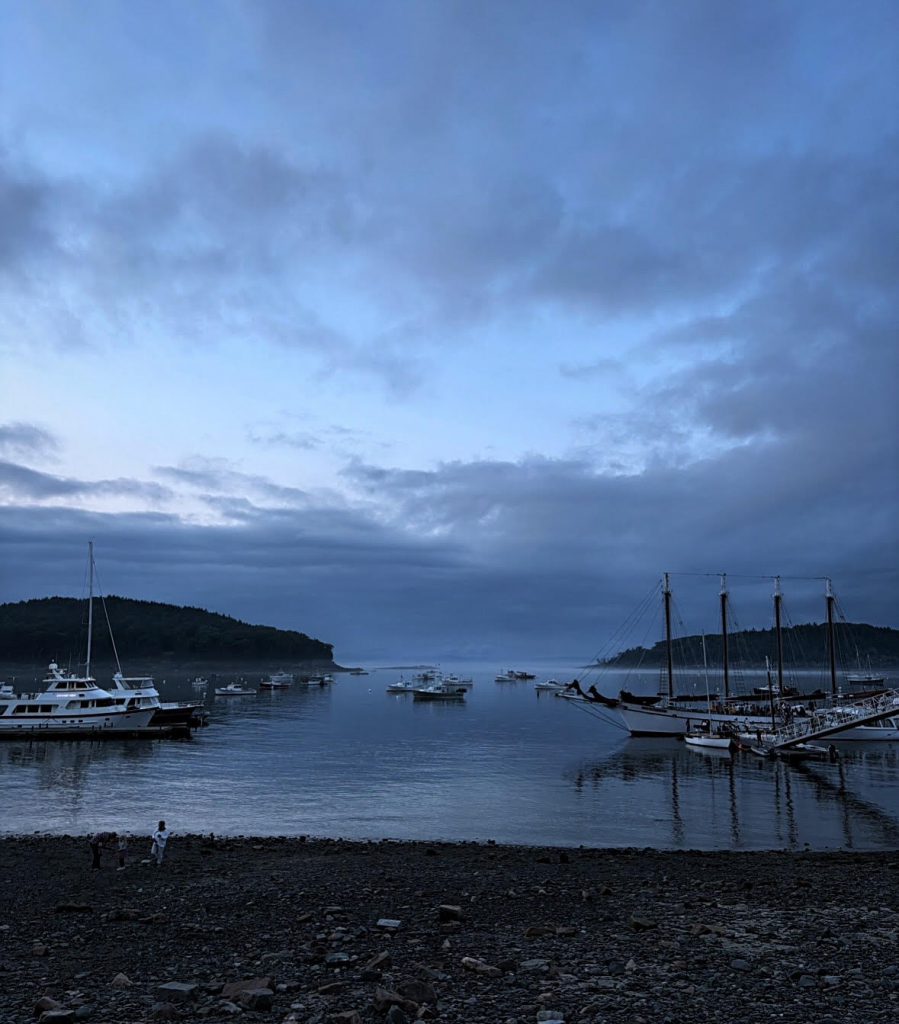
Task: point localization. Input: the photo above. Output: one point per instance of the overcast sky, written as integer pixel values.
(446, 328)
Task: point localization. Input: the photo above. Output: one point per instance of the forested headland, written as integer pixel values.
(55, 629)
(856, 645)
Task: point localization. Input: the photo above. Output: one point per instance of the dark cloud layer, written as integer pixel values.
(716, 184)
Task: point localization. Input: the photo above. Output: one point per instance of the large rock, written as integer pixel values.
(120, 981)
(234, 988)
(46, 1003)
(177, 991)
(418, 991)
(472, 963)
(259, 999)
(56, 1016)
(449, 912)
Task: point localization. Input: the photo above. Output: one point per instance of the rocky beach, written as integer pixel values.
(334, 932)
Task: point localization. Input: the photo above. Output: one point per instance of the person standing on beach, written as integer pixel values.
(160, 838)
(96, 843)
(122, 850)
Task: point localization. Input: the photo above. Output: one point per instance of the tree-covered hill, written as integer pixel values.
(804, 644)
(55, 628)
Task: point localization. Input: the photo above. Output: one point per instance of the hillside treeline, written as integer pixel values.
(55, 628)
(806, 644)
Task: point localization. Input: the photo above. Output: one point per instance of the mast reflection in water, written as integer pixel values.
(508, 764)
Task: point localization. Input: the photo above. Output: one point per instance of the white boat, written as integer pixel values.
(233, 690)
(277, 681)
(141, 692)
(403, 686)
(200, 683)
(458, 681)
(511, 675)
(706, 739)
(549, 684)
(68, 705)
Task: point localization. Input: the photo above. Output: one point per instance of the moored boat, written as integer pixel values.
(277, 681)
(233, 690)
(439, 691)
(68, 706)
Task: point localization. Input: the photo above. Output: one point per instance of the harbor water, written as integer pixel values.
(510, 764)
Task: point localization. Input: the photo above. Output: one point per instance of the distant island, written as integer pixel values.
(55, 629)
(806, 644)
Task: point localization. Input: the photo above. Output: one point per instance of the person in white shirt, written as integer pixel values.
(160, 838)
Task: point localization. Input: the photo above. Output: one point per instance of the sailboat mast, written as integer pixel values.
(666, 593)
(724, 653)
(831, 640)
(90, 605)
(778, 633)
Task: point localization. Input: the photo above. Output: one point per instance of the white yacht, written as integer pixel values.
(68, 705)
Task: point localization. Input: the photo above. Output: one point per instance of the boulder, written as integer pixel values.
(177, 991)
(120, 981)
(418, 991)
(449, 912)
(46, 1003)
(259, 999)
(234, 988)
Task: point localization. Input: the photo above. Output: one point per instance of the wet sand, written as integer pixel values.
(286, 930)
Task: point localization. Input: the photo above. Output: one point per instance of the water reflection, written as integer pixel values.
(763, 803)
(352, 760)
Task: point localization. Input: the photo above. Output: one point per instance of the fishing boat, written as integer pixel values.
(233, 690)
(200, 683)
(403, 686)
(277, 681)
(441, 691)
(458, 681)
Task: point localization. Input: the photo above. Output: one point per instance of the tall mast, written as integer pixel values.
(724, 635)
(90, 604)
(666, 593)
(778, 633)
(831, 641)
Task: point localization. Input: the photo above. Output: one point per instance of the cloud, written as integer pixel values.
(21, 484)
(27, 439)
(217, 476)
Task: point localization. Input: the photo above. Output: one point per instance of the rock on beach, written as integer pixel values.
(281, 930)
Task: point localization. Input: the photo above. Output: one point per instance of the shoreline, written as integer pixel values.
(485, 932)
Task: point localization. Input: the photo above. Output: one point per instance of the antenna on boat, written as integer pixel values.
(666, 593)
(831, 641)
(724, 635)
(90, 605)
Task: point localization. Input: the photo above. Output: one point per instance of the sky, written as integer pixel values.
(447, 328)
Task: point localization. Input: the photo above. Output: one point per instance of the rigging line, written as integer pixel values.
(108, 623)
(618, 636)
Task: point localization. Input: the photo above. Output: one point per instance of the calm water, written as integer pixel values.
(510, 765)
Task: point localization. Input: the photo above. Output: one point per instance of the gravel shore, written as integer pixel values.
(345, 932)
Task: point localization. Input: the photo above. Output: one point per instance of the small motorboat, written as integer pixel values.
(709, 741)
(200, 683)
(465, 684)
(549, 684)
(402, 686)
(233, 690)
